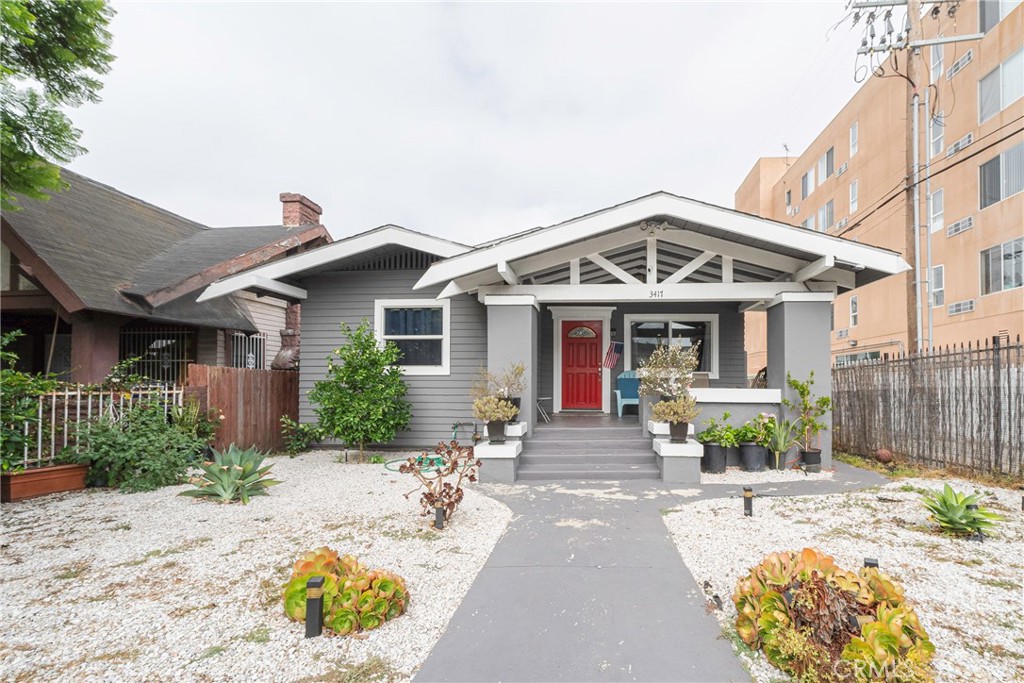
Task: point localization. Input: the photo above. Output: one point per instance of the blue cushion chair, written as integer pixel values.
(627, 392)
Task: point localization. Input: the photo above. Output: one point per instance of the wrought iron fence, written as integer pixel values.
(164, 352)
(249, 350)
(61, 414)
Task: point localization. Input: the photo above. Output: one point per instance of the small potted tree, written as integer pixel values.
(496, 412)
(809, 423)
(678, 413)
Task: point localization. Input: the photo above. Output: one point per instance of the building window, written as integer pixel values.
(853, 311)
(11, 278)
(938, 285)
(809, 223)
(647, 332)
(938, 134)
(936, 63)
(806, 185)
(826, 216)
(853, 138)
(420, 328)
(826, 165)
(249, 351)
(1001, 86)
(991, 12)
(852, 358)
(936, 219)
(1002, 267)
(789, 197)
(1002, 176)
(161, 353)
(853, 197)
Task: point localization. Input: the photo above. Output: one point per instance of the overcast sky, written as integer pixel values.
(467, 121)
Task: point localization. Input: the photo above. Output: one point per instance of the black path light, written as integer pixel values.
(439, 517)
(314, 606)
(978, 535)
(748, 501)
(871, 562)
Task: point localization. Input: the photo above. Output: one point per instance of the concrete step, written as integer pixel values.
(588, 472)
(589, 434)
(634, 445)
(531, 458)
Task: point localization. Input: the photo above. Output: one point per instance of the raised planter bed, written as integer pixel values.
(41, 481)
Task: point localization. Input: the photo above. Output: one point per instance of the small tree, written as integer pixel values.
(361, 400)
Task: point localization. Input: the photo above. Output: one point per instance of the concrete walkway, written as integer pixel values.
(587, 585)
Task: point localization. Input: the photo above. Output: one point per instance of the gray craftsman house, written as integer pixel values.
(660, 269)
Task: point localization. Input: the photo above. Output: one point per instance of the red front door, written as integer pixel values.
(581, 365)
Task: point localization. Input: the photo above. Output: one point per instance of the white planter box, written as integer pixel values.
(661, 428)
(513, 429)
(667, 449)
(509, 449)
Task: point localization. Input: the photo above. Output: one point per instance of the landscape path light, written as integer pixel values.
(314, 606)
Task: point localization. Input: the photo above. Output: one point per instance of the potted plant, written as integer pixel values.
(496, 412)
(753, 438)
(668, 371)
(716, 437)
(809, 424)
(780, 439)
(678, 413)
(508, 384)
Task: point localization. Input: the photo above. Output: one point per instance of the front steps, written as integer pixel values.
(587, 452)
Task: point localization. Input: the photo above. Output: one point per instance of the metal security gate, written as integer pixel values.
(164, 353)
(249, 351)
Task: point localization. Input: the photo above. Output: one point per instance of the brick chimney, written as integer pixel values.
(297, 209)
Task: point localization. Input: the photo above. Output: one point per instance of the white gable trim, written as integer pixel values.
(662, 204)
(335, 251)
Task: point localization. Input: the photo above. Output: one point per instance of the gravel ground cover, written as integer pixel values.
(104, 586)
(967, 594)
(735, 475)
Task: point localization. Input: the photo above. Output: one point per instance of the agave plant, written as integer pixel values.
(233, 474)
(949, 509)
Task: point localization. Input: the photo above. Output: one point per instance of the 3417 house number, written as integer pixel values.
(657, 294)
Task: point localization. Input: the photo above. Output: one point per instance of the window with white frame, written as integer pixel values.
(1002, 176)
(938, 285)
(826, 216)
(936, 63)
(809, 223)
(853, 311)
(806, 185)
(1001, 86)
(854, 134)
(1002, 267)
(420, 328)
(991, 12)
(853, 196)
(826, 165)
(936, 219)
(938, 134)
(789, 197)
(646, 332)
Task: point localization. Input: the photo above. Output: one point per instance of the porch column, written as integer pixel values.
(799, 341)
(512, 330)
(95, 346)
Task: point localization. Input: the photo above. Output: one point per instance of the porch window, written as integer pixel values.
(648, 332)
(162, 353)
(420, 328)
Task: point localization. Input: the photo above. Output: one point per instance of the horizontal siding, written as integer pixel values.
(268, 314)
(437, 401)
(732, 358)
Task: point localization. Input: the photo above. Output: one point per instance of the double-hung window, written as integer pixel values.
(1002, 176)
(1001, 87)
(991, 12)
(420, 328)
(854, 134)
(826, 216)
(826, 165)
(938, 285)
(853, 197)
(809, 222)
(938, 134)
(853, 311)
(1002, 266)
(806, 185)
(936, 63)
(646, 332)
(936, 219)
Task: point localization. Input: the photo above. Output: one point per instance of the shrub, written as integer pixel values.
(809, 408)
(494, 409)
(452, 460)
(509, 382)
(721, 433)
(299, 436)
(355, 599)
(190, 419)
(682, 409)
(18, 403)
(818, 622)
(233, 474)
(668, 371)
(949, 510)
(139, 451)
(362, 400)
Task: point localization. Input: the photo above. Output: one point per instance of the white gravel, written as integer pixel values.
(968, 595)
(104, 586)
(734, 475)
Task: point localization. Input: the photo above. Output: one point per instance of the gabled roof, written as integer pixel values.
(349, 250)
(749, 231)
(96, 248)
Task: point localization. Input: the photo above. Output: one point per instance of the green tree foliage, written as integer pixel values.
(362, 400)
(52, 53)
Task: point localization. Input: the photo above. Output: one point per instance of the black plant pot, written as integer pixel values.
(732, 456)
(812, 459)
(677, 431)
(713, 460)
(496, 431)
(780, 464)
(752, 457)
(517, 402)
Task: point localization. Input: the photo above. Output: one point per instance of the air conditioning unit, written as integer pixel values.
(959, 144)
(959, 64)
(960, 307)
(960, 226)
(842, 334)
(842, 223)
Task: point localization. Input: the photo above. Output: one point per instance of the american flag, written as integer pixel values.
(611, 358)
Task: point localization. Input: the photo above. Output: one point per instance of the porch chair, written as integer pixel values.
(627, 392)
(701, 380)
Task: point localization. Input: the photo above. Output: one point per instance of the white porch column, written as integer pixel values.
(512, 331)
(799, 341)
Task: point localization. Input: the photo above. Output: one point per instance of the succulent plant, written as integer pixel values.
(233, 474)
(949, 509)
(355, 599)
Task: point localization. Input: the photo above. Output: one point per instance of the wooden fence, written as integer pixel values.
(960, 407)
(252, 402)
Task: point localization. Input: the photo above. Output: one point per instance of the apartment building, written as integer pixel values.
(850, 183)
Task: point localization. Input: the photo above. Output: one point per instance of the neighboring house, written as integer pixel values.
(655, 270)
(851, 180)
(94, 276)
